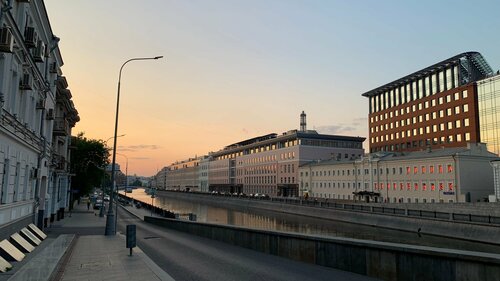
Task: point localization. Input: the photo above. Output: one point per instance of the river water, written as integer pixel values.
(267, 220)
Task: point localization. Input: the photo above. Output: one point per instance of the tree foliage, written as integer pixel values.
(89, 159)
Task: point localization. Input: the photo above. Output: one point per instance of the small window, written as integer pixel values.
(450, 168)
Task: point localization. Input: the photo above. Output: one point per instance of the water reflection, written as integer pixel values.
(260, 219)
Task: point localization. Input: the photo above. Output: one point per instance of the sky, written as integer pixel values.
(233, 70)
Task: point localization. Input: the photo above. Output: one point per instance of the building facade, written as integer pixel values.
(433, 107)
(184, 175)
(488, 95)
(36, 115)
(269, 164)
(266, 164)
(442, 175)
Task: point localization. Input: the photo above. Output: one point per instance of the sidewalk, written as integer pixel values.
(93, 256)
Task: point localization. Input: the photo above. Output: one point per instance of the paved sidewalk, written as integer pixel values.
(91, 256)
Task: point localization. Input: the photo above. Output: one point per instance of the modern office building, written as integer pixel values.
(488, 97)
(36, 117)
(460, 174)
(433, 107)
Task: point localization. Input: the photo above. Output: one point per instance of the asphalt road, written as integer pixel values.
(188, 257)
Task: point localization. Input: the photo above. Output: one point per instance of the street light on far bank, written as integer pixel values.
(110, 219)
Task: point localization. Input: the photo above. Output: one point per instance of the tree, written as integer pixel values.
(89, 159)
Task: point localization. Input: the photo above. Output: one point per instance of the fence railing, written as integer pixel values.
(423, 214)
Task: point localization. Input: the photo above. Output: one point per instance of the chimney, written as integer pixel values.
(303, 125)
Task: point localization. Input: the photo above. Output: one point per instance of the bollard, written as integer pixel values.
(131, 237)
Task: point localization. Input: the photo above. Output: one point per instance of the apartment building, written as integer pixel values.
(433, 107)
(36, 117)
(461, 174)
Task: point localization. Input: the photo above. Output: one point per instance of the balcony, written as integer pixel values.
(59, 162)
(61, 127)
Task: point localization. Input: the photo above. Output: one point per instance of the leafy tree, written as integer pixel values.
(136, 182)
(89, 159)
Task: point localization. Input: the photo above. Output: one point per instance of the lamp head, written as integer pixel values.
(158, 57)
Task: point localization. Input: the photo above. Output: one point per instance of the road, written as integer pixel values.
(189, 257)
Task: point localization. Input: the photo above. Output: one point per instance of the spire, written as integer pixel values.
(303, 125)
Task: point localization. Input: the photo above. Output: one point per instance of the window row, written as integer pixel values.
(421, 118)
(408, 186)
(416, 132)
(420, 169)
(418, 89)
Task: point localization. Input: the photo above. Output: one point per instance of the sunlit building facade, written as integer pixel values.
(488, 96)
(433, 107)
(446, 175)
(265, 164)
(269, 164)
(184, 175)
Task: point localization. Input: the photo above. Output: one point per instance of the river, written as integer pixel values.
(261, 219)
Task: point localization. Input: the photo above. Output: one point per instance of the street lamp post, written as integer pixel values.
(101, 209)
(110, 219)
(126, 185)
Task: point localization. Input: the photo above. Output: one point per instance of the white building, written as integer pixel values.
(36, 116)
(443, 175)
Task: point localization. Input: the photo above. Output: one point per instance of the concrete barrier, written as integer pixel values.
(388, 261)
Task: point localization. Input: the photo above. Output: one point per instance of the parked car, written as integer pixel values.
(106, 198)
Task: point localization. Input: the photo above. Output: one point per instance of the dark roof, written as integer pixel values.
(271, 138)
(475, 58)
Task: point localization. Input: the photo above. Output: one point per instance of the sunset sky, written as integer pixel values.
(234, 70)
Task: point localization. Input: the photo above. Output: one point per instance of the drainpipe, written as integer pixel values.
(41, 156)
(457, 180)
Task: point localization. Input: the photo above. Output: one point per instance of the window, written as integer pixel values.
(440, 169)
(423, 169)
(448, 98)
(464, 94)
(448, 112)
(450, 168)
(467, 136)
(450, 186)
(457, 109)
(433, 187)
(416, 186)
(466, 122)
(415, 169)
(457, 124)
(408, 170)
(441, 186)
(424, 186)
(466, 108)
(457, 96)
(431, 169)
(408, 186)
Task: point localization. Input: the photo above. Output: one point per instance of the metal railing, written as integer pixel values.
(401, 212)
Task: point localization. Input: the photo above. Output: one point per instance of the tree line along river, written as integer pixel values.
(261, 219)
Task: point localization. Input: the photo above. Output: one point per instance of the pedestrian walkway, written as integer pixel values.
(90, 256)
